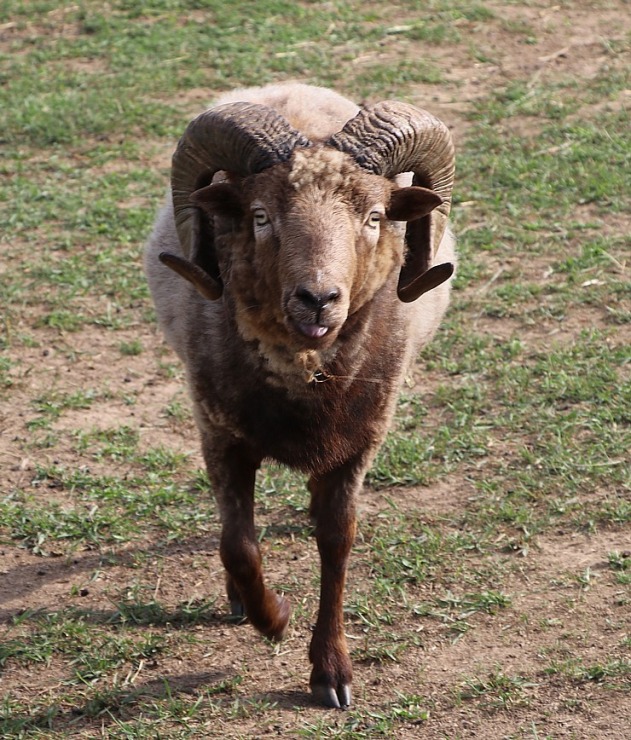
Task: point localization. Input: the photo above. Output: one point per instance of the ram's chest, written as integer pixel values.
(319, 431)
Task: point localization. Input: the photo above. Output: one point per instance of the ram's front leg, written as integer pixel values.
(333, 508)
(232, 468)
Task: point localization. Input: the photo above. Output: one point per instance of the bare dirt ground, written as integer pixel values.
(550, 618)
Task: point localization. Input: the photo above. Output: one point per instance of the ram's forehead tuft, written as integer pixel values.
(323, 168)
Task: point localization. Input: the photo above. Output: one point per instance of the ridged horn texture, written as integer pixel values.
(390, 137)
(242, 138)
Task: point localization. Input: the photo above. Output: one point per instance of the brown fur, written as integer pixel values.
(262, 388)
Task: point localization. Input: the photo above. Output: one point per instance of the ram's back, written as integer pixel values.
(315, 111)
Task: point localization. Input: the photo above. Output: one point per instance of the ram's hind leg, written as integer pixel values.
(232, 468)
(333, 508)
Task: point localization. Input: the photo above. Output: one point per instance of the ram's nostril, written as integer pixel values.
(316, 300)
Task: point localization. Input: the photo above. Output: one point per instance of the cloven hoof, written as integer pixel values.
(237, 610)
(328, 696)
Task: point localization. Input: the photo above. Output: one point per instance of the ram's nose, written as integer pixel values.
(316, 300)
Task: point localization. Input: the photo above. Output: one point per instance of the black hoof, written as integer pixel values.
(328, 696)
(237, 611)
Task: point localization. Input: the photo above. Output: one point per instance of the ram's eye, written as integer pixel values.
(374, 219)
(260, 217)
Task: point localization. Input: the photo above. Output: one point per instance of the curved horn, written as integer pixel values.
(390, 138)
(243, 138)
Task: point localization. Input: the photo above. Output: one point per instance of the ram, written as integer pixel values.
(313, 240)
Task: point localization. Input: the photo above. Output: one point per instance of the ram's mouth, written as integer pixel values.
(311, 335)
(312, 331)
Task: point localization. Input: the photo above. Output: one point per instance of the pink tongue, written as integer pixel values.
(313, 330)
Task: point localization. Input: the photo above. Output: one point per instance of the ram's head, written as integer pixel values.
(302, 235)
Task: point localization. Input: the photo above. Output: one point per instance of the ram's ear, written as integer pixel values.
(202, 266)
(219, 199)
(205, 284)
(414, 205)
(408, 204)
